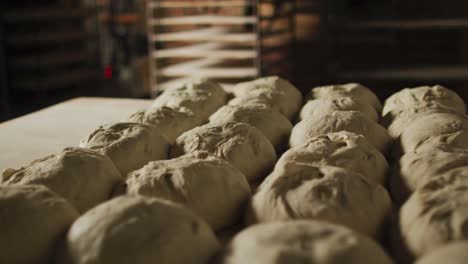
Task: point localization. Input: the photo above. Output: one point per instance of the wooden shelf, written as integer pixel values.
(204, 20)
(46, 38)
(194, 53)
(427, 24)
(43, 14)
(230, 72)
(418, 74)
(199, 4)
(54, 59)
(55, 81)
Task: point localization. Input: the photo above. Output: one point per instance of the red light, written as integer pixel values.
(108, 72)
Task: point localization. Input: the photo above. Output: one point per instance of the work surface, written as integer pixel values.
(48, 131)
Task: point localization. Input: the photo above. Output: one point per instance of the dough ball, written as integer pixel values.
(423, 94)
(427, 127)
(272, 91)
(316, 108)
(354, 90)
(270, 122)
(454, 253)
(341, 149)
(397, 121)
(139, 230)
(172, 122)
(418, 167)
(33, 219)
(243, 145)
(203, 97)
(336, 121)
(84, 177)
(300, 191)
(128, 145)
(434, 215)
(302, 242)
(210, 186)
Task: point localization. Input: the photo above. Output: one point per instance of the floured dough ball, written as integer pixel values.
(84, 177)
(427, 127)
(243, 145)
(128, 145)
(316, 108)
(270, 122)
(210, 186)
(341, 149)
(302, 242)
(272, 91)
(434, 215)
(203, 97)
(300, 191)
(336, 121)
(418, 167)
(397, 121)
(137, 230)
(171, 121)
(33, 219)
(454, 253)
(354, 90)
(423, 94)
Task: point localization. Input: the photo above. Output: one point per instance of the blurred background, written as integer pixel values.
(54, 50)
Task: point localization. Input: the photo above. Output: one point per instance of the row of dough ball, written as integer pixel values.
(330, 174)
(428, 125)
(116, 149)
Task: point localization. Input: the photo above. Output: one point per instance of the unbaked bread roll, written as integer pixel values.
(341, 149)
(336, 121)
(272, 91)
(354, 90)
(203, 97)
(418, 167)
(243, 145)
(210, 186)
(134, 229)
(316, 108)
(171, 121)
(396, 121)
(270, 122)
(453, 253)
(84, 177)
(434, 215)
(128, 145)
(300, 191)
(302, 242)
(32, 221)
(423, 94)
(427, 127)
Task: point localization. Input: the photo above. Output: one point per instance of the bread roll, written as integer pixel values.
(316, 108)
(272, 91)
(434, 215)
(33, 219)
(243, 145)
(84, 177)
(139, 230)
(302, 242)
(300, 191)
(424, 94)
(210, 186)
(396, 121)
(454, 253)
(270, 122)
(172, 122)
(336, 121)
(418, 167)
(128, 145)
(203, 97)
(354, 90)
(342, 149)
(430, 126)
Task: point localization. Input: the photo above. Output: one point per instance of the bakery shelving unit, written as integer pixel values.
(228, 41)
(48, 48)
